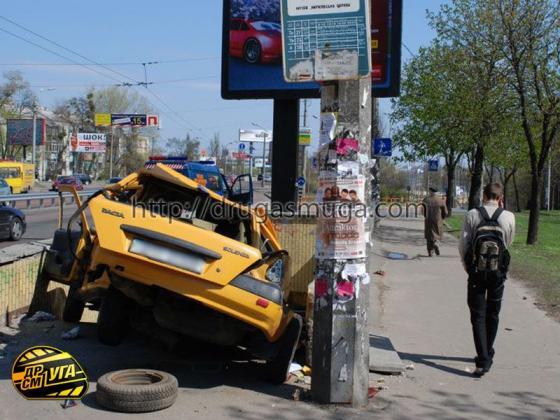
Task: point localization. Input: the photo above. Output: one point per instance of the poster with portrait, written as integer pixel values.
(334, 188)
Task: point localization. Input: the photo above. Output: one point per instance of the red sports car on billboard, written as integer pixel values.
(255, 41)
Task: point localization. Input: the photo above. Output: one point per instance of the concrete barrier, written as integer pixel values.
(19, 266)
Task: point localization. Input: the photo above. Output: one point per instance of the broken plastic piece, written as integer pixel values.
(71, 334)
(40, 316)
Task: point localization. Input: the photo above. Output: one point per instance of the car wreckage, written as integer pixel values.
(157, 248)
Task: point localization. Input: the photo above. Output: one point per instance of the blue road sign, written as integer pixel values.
(300, 182)
(241, 147)
(382, 147)
(433, 165)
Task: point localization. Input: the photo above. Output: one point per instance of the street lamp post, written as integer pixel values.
(264, 135)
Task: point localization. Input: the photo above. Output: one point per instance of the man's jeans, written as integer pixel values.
(485, 300)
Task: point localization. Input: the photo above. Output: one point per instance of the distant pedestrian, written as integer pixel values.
(488, 231)
(435, 212)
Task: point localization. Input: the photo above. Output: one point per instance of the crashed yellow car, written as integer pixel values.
(159, 249)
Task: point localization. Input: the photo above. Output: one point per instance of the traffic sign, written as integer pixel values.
(300, 182)
(382, 147)
(241, 147)
(433, 165)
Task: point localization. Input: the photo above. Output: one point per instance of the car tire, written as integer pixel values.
(73, 307)
(16, 229)
(252, 51)
(276, 370)
(114, 317)
(136, 390)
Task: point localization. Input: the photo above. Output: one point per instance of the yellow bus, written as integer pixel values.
(20, 176)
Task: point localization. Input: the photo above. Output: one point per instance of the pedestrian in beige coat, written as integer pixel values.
(435, 212)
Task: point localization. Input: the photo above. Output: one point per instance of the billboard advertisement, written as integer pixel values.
(252, 51)
(255, 136)
(88, 143)
(20, 132)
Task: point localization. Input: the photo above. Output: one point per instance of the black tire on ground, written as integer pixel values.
(73, 307)
(136, 390)
(114, 317)
(276, 370)
(16, 229)
(252, 51)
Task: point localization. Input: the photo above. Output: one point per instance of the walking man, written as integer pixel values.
(488, 231)
(435, 211)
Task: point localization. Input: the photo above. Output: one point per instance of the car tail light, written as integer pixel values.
(264, 289)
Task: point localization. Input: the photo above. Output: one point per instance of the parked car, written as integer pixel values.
(85, 178)
(5, 189)
(12, 223)
(67, 180)
(255, 41)
(217, 276)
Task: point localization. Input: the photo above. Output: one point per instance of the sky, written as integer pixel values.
(187, 34)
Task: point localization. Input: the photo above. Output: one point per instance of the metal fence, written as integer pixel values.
(41, 199)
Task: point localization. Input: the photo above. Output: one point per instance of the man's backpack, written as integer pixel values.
(488, 254)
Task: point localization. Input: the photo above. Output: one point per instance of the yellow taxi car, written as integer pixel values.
(160, 248)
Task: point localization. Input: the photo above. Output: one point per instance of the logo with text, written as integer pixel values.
(47, 373)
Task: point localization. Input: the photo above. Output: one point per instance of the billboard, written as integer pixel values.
(129, 120)
(88, 143)
(255, 136)
(20, 132)
(252, 51)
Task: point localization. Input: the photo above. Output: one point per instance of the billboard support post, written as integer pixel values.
(285, 142)
(340, 349)
(111, 153)
(34, 137)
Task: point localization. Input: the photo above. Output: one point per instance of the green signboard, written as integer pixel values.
(326, 39)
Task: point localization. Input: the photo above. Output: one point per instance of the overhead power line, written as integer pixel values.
(122, 63)
(135, 83)
(65, 48)
(56, 53)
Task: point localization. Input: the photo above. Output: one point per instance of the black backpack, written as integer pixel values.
(488, 253)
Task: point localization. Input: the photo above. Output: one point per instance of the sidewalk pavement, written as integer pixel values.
(420, 304)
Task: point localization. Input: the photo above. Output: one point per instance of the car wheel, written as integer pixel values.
(252, 51)
(16, 229)
(276, 370)
(114, 317)
(73, 307)
(136, 390)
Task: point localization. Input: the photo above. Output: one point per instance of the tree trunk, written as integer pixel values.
(450, 199)
(516, 188)
(534, 207)
(476, 178)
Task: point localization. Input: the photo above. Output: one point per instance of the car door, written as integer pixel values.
(241, 191)
(5, 219)
(235, 37)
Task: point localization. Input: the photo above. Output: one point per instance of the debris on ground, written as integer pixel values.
(68, 404)
(372, 391)
(71, 334)
(306, 370)
(380, 272)
(295, 367)
(509, 329)
(409, 366)
(301, 395)
(41, 316)
(307, 380)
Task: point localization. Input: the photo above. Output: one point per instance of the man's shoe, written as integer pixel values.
(437, 250)
(480, 371)
(430, 254)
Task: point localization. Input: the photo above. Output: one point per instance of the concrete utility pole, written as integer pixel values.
(340, 352)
